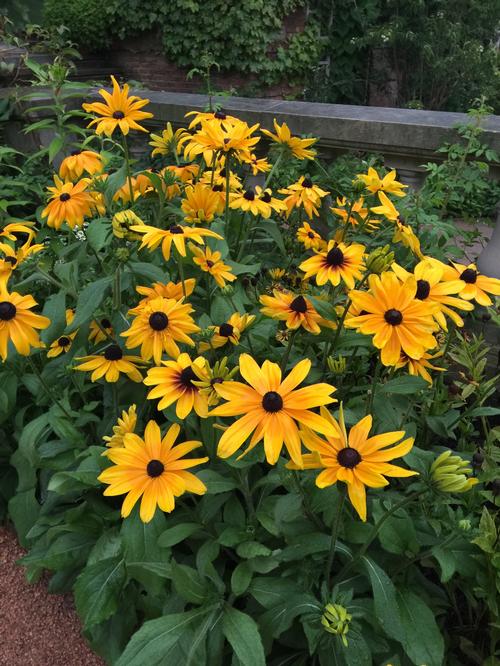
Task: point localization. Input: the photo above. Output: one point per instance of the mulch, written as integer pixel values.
(36, 628)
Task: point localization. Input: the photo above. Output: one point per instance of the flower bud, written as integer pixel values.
(338, 365)
(380, 260)
(122, 254)
(449, 474)
(464, 525)
(227, 290)
(335, 620)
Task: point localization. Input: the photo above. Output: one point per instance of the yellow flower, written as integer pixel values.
(200, 204)
(158, 326)
(403, 233)
(309, 238)
(64, 342)
(474, 285)
(173, 382)
(230, 331)
(125, 424)
(186, 173)
(79, 162)
(215, 137)
(304, 193)
(449, 474)
(152, 237)
(211, 262)
(152, 469)
(299, 148)
(335, 620)
(259, 165)
(68, 203)
(14, 257)
(18, 323)
(118, 111)
(208, 377)
(419, 366)
(168, 290)
(123, 221)
(356, 459)
(100, 331)
(271, 408)
(355, 214)
(166, 142)
(386, 208)
(9, 230)
(110, 364)
(397, 320)
(295, 310)
(388, 183)
(250, 201)
(336, 262)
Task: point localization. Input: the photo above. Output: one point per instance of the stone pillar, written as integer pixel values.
(488, 261)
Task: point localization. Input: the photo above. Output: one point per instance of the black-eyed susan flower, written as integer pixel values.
(405, 235)
(10, 230)
(166, 142)
(152, 237)
(266, 195)
(70, 203)
(229, 331)
(309, 238)
(211, 262)
(130, 191)
(158, 326)
(200, 204)
(373, 183)
(295, 310)
(214, 137)
(355, 214)
(386, 208)
(119, 110)
(419, 366)
(19, 324)
(432, 287)
(475, 287)
(186, 173)
(218, 116)
(259, 165)
(271, 407)
(110, 364)
(13, 257)
(299, 148)
(336, 262)
(303, 194)
(100, 330)
(63, 342)
(79, 162)
(121, 223)
(355, 458)
(153, 470)
(168, 290)
(209, 376)
(173, 382)
(126, 424)
(397, 320)
(249, 202)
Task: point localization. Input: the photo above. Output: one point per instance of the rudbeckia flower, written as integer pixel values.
(110, 364)
(229, 331)
(474, 285)
(153, 237)
(100, 331)
(152, 469)
(121, 223)
(64, 342)
(220, 116)
(168, 290)
(68, 203)
(357, 459)
(119, 110)
(79, 162)
(208, 377)
(388, 183)
(299, 148)
(336, 262)
(419, 366)
(166, 142)
(356, 214)
(432, 287)
(173, 382)
(304, 193)
(249, 201)
(216, 137)
(10, 230)
(310, 239)
(14, 257)
(271, 408)
(158, 325)
(186, 173)
(200, 204)
(397, 320)
(295, 310)
(211, 262)
(124, 425)
(404, 234)
(259, 165)
(18, 323)
(386, 208)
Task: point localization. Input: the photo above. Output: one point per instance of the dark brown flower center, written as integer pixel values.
(299, 305)
(272, 402)
(210, 263)
(266, 197)
(220, 115)
(393, 317)
(423, 290)
(75, 152)
(186, 377)
(105, 323)
(469, 276)
(7, 310)
(113, 353)
(11, 260)
(348, 457)
(310, 234)
(249, 195)
(226, 330)
(63, 341)
(64, 196)
(155, 468)
(307, 182)
(118, 115)
(218, 188)
(176, 229)
(335, 257)
(216, 380)
(158, 321)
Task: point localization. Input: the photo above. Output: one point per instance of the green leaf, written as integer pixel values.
(98, 233)
(357, 652)
(405, 385)
(242, 269)
(422, 640)
(216, 483)
(154, 640)
(97, 590)
(174, 535)
(188, 583)
(55, 309)
(250, 549)
(23, 510)
(241, 578)
(243, 635)
(149, 272)
(488, 533)
(384, 597)
(55, 146)
(272, 229)
(89, 300)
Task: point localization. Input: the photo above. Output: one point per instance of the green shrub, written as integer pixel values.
(86, 20)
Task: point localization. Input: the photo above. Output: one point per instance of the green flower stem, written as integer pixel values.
(330, 346)
(181, 273)
(243, 241)
(273, 169)
(114, 393)
(228, 176)
(426, 553)
(306, 501)
(55, 282)
(286, 355)
(117, 294)
(371, 395)
(335, 533)
(376, 529)
(47, 388)
(127, 166)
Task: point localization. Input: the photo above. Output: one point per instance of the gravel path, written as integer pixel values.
(36, 628)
